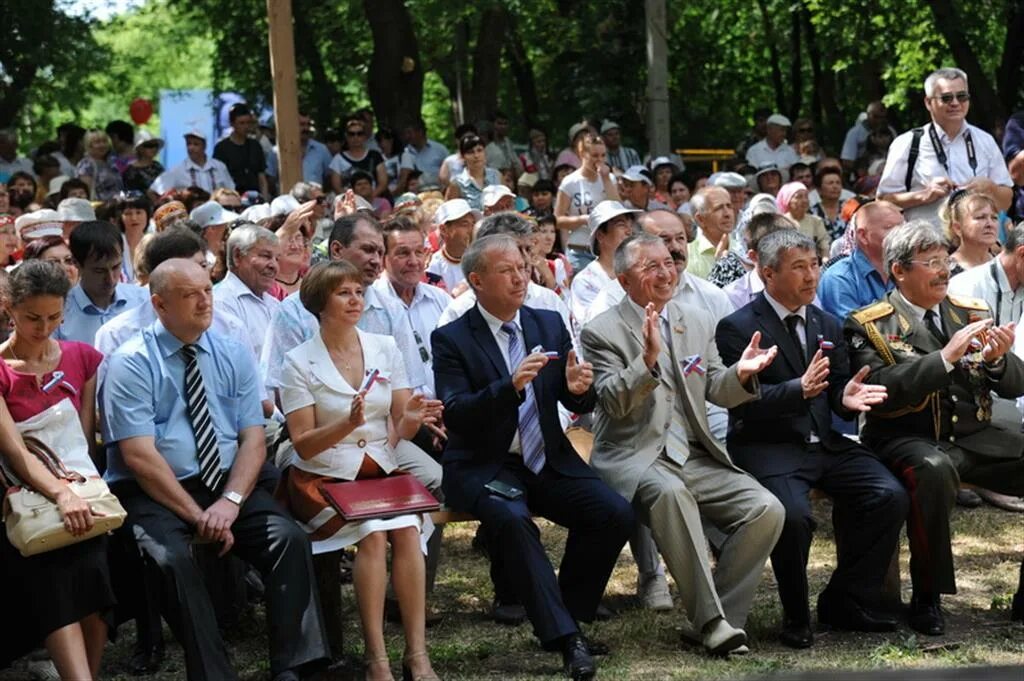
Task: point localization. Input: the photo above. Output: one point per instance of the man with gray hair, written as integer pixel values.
(712, 209)
(786, 440)
(940, 357)
(655, 364)
(501, 369)
(537, 296)
(252, 253)
(925, 164)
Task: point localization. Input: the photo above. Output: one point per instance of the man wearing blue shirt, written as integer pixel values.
(861, 278)
(422, 154)
(184, 425)
(99, 296)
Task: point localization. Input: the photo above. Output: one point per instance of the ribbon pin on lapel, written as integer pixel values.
(825, 345)
(691, 364)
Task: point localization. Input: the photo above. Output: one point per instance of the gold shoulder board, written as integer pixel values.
(969, 303)
(872, 312)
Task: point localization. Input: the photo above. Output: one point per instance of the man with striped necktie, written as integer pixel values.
(184, 426)
(655, 363)
(500, 369)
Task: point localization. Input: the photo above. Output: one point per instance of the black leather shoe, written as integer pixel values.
(511, 614)
(847, 614)
(925, 615)
(146, 660)
(796, 634)
(576, 658)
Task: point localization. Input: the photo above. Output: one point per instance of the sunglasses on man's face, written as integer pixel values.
(948, 97)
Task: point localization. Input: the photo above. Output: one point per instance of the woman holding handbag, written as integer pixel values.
(347, 401)
(66, 592)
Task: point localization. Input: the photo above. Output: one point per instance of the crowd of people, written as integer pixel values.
(722, 342)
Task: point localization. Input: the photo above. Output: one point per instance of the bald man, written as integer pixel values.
(183, 421)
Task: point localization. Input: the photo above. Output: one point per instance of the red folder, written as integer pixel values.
(368, 498)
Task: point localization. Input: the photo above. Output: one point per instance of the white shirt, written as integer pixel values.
(761, 154)
(927, 168)
(255, 312)
(210, 176)
(583, 196)
(537, 297)
(450, 272)
(428, 303)
(989, 283)
(310, 378)
(502, 338)
(1018, 349)
(587, 283)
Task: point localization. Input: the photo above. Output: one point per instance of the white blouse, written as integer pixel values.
(310, 378)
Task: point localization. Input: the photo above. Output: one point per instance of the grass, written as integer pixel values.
(468, 646)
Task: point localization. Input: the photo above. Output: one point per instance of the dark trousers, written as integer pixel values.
(932, 473)
(870, 507)
(599, 523)
(266, 537)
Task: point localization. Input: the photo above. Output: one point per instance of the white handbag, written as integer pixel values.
(34, 523)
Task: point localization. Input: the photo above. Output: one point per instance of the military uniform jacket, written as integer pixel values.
(924, 400)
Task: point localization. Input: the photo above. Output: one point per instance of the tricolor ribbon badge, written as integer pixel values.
(824, 345)
(372, 378)
(693, 363)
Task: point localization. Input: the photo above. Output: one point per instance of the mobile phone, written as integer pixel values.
(504, 490)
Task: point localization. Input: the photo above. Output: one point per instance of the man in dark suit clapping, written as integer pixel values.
(786, 441)
(500, 370)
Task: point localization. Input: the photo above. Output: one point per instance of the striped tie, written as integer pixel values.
(202, 425)
(530, 436)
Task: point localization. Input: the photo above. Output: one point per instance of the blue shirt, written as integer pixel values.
(143, 394)
(851, 283)
(315, 162)
(82, 319)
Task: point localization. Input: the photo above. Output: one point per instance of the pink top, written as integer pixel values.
(25, 396)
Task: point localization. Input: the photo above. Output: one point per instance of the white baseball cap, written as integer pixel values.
(73, 209)
(195, 132)
(283, 205)
(450, 211)
(493, 193)
(728, 180)
(779, 119)
(257, 212)
(607, 125)
(211, 214)
(636, 174)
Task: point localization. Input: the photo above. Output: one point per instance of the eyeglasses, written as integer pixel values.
(948, 97)
(66, 261)
(297, 240)
(936, 263)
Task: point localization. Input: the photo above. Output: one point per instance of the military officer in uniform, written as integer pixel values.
(941, 358)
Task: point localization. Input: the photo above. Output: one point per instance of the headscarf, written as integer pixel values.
(787, 193)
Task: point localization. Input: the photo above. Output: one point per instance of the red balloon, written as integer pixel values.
(141, 110)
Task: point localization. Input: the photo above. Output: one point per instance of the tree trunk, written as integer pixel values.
(395, 78)
(309, 53)
(986, 105)
(796, 72)
(490, 42)
(1008, 77)
(773, 51)
(828, 119)
(522, 71)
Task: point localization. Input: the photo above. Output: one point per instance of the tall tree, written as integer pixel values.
(395, 79)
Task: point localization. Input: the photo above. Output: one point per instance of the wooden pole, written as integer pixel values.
(286, 98)
(657, 79)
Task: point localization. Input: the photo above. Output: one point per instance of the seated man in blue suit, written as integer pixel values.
(500, 370)
(786, 441)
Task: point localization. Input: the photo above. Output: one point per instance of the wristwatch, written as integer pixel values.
(234, 497)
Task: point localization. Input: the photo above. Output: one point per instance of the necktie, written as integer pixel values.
(202, 425)
(931, 320)
(530, 436)
(792, 322)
